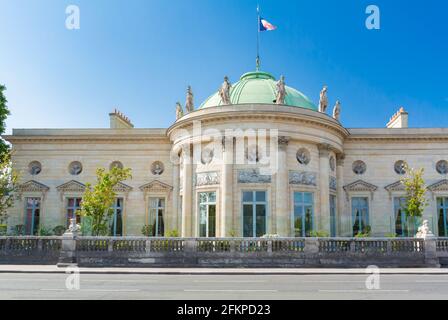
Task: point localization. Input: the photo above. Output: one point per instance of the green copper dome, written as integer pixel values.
(259, 87)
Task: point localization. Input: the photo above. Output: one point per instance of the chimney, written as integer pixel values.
(119, 121)
(399, 120)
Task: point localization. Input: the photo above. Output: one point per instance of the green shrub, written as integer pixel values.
(59, 230)
(18, 230)
(147, 230)
(172, 234)
(319, 234)
(45, 232)
(3, 229)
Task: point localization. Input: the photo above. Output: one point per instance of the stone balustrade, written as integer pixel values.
(224, 252)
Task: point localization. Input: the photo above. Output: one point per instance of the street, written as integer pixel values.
(221, 287)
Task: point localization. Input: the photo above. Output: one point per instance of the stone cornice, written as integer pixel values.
(392, 135)
(360, 186)
(260, 113)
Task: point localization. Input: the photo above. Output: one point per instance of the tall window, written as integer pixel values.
(116, 224)
(73, 205)
(333, 215)
(442, 208)
(303, 214)
(32, 216)
(254, 213)
(360, 215)
(156, 213)
(207, 214)
(401, 229)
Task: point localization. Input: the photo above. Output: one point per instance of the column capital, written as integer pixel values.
(324, 150)
(283, 141)
(340, 158)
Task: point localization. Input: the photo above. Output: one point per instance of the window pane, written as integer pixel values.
(298, 197)
(248, 196)
(161, 203)
(71, 202)
(212, 220)
(212, 197)
(160, 224)
(261, 220)
(248, 220)
(36, 222)
(202, 220)
(202, 197)
(261, 196)
(78, 202)
(308, 221)
(442, 231)
(298, 221)
(308, 198)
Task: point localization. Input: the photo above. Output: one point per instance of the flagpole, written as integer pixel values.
(258, 39)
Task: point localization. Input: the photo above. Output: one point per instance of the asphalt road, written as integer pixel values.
(221, 287)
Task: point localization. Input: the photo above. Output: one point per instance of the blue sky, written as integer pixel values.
(140, 55)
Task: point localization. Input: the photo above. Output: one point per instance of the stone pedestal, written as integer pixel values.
(67, 255)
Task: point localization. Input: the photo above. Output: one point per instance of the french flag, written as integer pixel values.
(266, 25)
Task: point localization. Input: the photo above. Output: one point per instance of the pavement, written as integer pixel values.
(200, 287)
(45, 269)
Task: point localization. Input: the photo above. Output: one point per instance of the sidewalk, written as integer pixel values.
(211, 271)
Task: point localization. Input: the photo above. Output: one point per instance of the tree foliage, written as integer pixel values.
(4, 113)
(98, 200)
(415, 187)
(8, 186)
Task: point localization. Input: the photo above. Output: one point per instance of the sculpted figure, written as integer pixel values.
(323, 101)
(224, 91)
(179, 111)
(424, 231)
(337, 111)
(189, 104)
(281, 91)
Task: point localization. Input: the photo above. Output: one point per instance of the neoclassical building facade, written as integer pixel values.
(256, 158)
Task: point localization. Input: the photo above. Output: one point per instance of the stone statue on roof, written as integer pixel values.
(337, 111)
(179, 111)
(281, 91)
(323, 100)
(189, 104)
(224, 91)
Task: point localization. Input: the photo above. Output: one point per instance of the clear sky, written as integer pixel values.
(140, 55)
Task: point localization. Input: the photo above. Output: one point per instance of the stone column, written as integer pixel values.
(282, 193)
(324, 188)
(340, 198)
(187, 192)
(175, 200)
(226, 196)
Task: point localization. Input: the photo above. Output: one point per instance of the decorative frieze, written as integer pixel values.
(72, 186)
(253, 176)
(303, 178)
(360, 186)
(33, 186)
(440, 186)
(207, 179)
(394, 187)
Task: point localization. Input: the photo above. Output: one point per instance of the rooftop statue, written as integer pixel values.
(281, 91)
(337, 111)
(224, 91)
(179, 111)
(189, 104)
(323, 101)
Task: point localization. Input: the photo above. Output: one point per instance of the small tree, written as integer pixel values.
(97, 202)
(8, 186)
(416, 200)
(4, 113)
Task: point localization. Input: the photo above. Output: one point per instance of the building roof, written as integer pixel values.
(259, 88)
